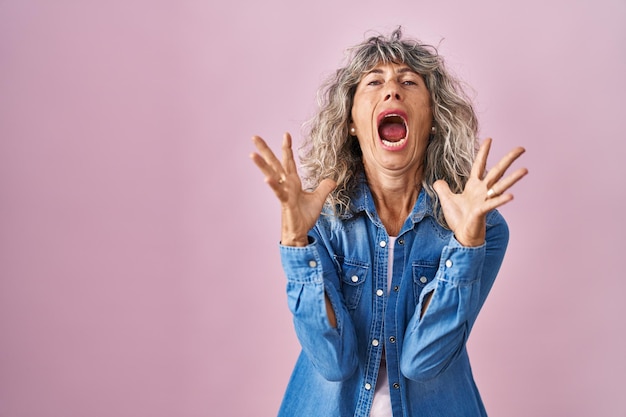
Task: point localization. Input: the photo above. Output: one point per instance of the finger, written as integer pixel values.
(260, 162)
(504, 184)
(498, 170)
(271, 178)
(271, 161)
(264, 150)
(497, 201)
(480, 163)
(289, 163)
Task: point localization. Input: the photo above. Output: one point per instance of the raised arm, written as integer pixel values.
(299, 208)
(466, 212)
(450, 304)
(326, 336)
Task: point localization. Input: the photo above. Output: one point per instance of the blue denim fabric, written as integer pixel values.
(428, 365)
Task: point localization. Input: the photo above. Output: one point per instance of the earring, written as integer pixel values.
(433, 130)
(353, 131)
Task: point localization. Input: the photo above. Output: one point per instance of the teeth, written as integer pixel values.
(395, 116)
(393, 144)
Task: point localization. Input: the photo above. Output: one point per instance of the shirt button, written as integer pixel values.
(400, 241)
(392, 339)
(368, 386)
(375, 342)
(379, 293)
(448, 263)
(355, 278)
(423, 280)
(396, 385)
(396, 288)
(382, 243)
(312, 264)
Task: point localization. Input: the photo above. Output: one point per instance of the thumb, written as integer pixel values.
(325, 187)
(442, 189)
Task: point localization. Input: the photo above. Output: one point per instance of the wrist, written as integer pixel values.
(470, 242)
(294, 240)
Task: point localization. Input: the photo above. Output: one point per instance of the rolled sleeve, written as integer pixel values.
(460, 264)
(464, 278)
(302, 264)
(310, 276)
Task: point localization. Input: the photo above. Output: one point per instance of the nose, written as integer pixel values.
(392, 91)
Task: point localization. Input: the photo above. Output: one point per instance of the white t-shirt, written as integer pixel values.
(381, 405)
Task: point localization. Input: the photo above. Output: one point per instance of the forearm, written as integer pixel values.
(449, 305)
(321, 321)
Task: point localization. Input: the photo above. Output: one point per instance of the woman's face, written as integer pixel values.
(392, 118)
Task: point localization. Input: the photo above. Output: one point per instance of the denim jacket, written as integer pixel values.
(427, 362)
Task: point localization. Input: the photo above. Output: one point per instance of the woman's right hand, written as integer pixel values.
(300, 208)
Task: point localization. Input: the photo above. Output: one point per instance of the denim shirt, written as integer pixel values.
(427, 361)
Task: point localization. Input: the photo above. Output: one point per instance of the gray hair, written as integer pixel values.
(329, 151)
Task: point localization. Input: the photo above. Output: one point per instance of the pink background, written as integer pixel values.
(139, 273)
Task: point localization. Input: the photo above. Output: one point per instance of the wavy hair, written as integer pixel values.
(329, 151)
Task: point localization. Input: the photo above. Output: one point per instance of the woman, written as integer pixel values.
(391, 253)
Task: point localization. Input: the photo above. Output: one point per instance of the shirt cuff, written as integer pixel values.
(302, 264)
(461, 264)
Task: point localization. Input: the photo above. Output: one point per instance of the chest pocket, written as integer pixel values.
(423, 273)
(353, 275)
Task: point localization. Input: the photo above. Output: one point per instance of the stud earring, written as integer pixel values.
(433, 130)
(353, 131)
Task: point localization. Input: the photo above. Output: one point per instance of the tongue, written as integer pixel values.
(392, 132)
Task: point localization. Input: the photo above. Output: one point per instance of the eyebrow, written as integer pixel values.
(406, 69)
(401, 70)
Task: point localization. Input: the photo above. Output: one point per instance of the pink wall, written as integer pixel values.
(139, 273)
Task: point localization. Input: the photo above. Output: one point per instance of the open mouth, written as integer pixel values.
(392, 130)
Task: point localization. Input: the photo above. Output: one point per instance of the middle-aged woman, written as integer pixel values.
(393, 245)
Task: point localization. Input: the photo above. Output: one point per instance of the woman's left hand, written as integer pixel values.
(466, 213)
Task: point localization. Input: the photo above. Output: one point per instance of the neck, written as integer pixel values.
(394, 198)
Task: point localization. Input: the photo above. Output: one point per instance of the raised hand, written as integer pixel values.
(466, 212)
(300, 209)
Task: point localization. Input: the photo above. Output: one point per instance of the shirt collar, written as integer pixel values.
(364, 202)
